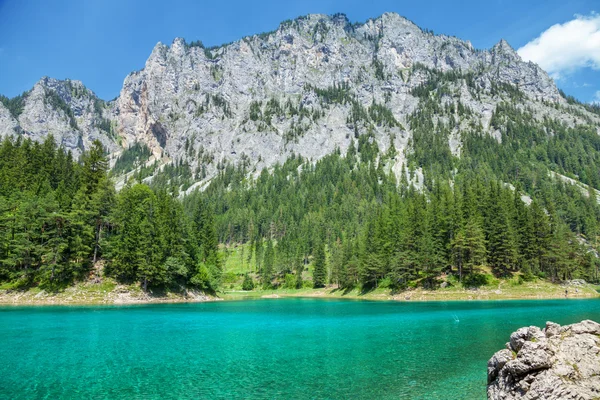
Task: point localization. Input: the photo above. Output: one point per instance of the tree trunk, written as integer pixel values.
(97, 244)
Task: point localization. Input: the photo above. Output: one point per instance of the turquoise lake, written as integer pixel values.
(264, 349)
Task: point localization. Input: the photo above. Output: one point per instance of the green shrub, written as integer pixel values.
(202, 277)
(527, 274)
(452, 280)
(492, 280)
(385, 283)
(476, 279)
(230, 277)
(248, 283)
(516, 281)
(290, 281)
(541, 275)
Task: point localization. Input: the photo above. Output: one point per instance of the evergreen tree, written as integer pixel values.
(208, 265)
(95, 166)
(267, 267)
(502, 251)
(469, 246)
(248, 283)
(81, 236)
(337, 260)
(320, 267)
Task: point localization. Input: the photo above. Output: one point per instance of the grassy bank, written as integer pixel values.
(110, 292)
(504, 290)
(106, 292)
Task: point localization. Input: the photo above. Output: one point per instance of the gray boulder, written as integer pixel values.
(559, 362)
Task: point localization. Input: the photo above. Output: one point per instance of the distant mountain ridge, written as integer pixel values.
(310, 87)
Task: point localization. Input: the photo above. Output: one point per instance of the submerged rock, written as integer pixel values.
(559, 362)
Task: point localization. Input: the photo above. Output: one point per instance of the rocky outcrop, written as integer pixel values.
(8, 124)
(558, 362)
(67, 110)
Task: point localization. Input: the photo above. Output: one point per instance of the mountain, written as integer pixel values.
(308, 88)
(368, 156)
(67, 110)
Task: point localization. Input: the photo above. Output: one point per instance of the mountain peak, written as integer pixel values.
(395, 17)
(503, 47)
(158, 52)
(52, 83)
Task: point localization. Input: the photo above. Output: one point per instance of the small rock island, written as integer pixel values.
(558, 362)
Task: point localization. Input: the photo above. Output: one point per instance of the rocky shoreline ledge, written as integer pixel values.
(558, 362)
(107, 293)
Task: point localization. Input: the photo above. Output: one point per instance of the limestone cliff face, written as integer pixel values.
(67, 110)
(256, 100)
(8, 124)
(189, 100)
(559, 362)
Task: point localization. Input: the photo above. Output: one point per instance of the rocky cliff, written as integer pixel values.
(558, 362)
(67, 110)
(310, 87)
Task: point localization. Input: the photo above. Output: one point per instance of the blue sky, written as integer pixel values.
(100, 41)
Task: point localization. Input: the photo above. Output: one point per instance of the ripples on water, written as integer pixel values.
(264, 349)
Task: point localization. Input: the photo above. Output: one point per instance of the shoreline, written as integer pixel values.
(113, 294)
(440, 299)
(107, 304)
(107, 293)
(412, 296)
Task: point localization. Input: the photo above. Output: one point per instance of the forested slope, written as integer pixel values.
(62, 221)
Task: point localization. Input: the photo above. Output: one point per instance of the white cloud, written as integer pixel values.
(596, 98)
(564, 48)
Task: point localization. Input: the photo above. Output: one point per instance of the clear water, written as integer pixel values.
(264, 349)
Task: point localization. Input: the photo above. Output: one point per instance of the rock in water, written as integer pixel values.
(559, 362)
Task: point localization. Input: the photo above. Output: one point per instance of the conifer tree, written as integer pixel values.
(371, 263)
(208, 263)
(500, 236)
(267, 267)
(132, 245)
(248, 283)
(81, 235)
(336, 264)
(320, 268)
